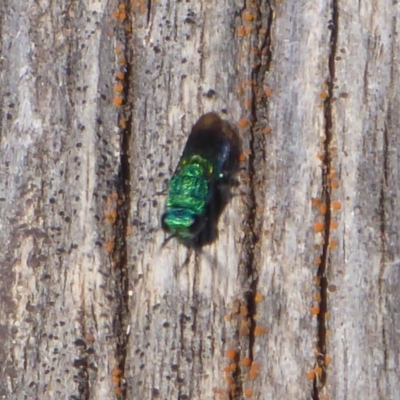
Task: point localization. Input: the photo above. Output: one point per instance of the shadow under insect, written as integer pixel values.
(201, 186)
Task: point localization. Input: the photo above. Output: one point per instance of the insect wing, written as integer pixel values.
(214, 140)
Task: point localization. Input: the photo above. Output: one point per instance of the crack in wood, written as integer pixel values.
(383, 223)
(121, 276)
(260, 61)
(148, 11)
(320, 381)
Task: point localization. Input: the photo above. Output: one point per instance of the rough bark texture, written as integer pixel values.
(297, 299)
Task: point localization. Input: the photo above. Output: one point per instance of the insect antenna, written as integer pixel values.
(163, 244)
(185, 264)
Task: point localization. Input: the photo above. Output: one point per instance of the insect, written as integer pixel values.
(200, 187)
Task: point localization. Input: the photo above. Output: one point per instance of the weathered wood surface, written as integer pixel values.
(92, 307)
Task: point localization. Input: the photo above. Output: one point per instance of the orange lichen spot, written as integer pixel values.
(245, 361)
(245, 323)
(243, 310)
(248, 30)
(90, 337)
(317, 297)
(336, 205)
(262, 31)
(266, 130)
(255, 366)
(231, 353)
(254, 369)
(316, 280)
(315, 202)
(332, 173)
(232, 367)
(116, 371)
(319, 227)
(248, 104)
(122, 16)
(334, 224)
(323, 95)
(120, 75)
(128, 230)
(334, 184)
(239, 90)
(258, 297)
(228, 317)
(116, 14)
(268, 92)
(128, 27)
(229, 379)
(325, 398)
(248, 16)
(121, 61)
(118, 391)
(116, 380)
(317, 261)
(244, 331)
(243, 123)
(221, 393)
(110, 201)
(328, 359)
(310, 375)
(241, 31)
(318, 370)
(226, 369)
(259, 330)
(244, 155)
(111, 216)
(121, 7)
(248, 392)
(333, 244)
(118, 50)
(110, 245)
(143, 8)
(315, 310)
(118, 100)
(321, 156)
(328, 333)
(327, 315)
(118, 88)
(235, 306)
(114, 195)
(122, 123)
(253, 374)
(322, 208)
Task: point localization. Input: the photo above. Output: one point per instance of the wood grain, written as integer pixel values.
(298, 296)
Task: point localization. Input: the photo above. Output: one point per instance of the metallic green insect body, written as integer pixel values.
(197, 191)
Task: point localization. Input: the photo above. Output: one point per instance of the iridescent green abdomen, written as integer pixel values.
(189, 187)
(188, 196)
